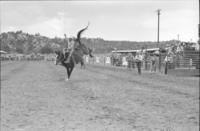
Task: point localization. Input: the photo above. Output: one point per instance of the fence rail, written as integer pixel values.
(188, 60)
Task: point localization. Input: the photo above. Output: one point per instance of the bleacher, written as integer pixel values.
(190, 59)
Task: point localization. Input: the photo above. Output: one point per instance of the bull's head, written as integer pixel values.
(59, 57)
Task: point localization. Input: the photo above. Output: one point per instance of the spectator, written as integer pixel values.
(153, 63)
(129, 60)
(133, 62)
(139, 59)
(112, 59)
(166, 63)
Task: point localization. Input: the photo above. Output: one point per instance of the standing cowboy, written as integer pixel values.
(153, 63)
(130, 61)
(166, 63)
(139, 59)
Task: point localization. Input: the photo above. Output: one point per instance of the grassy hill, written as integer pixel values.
(20, 42)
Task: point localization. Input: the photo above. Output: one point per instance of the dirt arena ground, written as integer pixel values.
(36, 97)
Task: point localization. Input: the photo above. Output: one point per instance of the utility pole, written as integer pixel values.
(199, 26)
(158, 11)
(178, 37)
(158, 35)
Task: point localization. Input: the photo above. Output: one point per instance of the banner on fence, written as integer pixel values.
(87, 59)
(124, 61)
(108, 60)
(97, 60)
(190, 62)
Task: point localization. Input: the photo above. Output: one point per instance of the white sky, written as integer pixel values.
(134, 20)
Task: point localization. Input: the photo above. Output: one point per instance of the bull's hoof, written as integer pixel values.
(66, 79)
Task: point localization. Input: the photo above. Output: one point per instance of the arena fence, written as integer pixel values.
(30, 57)
(188, 60)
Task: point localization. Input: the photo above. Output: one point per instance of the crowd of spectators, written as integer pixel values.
(133, 60)
(139, 60)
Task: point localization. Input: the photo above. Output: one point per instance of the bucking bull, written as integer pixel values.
(74, 56)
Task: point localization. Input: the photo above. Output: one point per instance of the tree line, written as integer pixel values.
(25, 43)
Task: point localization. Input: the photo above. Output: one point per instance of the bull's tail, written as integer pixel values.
(80, 32)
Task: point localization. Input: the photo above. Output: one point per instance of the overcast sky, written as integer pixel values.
(134, 20)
